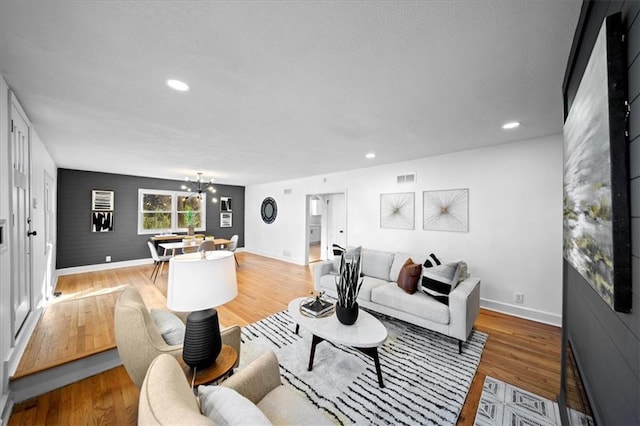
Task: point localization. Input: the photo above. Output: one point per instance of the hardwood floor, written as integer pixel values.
(521, 352)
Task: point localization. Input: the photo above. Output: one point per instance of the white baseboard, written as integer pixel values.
(271, 256)
(102, 266)
(522, 312)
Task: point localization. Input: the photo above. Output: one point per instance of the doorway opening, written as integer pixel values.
(326, 225)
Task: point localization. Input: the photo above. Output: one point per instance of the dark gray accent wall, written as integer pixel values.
(606, 343)
(78, 246)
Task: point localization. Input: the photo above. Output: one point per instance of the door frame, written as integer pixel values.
(324, 243)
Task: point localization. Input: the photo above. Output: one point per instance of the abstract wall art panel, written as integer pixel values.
(596, 175)
(102, 200)
(397, 211)
(446, 210)
(101, 221)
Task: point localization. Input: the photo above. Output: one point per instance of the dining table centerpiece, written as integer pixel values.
(190, 220)
(348, 283)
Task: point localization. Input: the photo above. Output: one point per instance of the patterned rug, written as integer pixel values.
(426, 380)
(505, 404)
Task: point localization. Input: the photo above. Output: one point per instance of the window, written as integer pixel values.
(170, 211)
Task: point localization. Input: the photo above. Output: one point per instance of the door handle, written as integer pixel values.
(32, 233)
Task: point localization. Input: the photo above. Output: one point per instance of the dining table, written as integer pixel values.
(220, 243)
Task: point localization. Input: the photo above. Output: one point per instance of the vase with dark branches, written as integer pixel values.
(348, 285)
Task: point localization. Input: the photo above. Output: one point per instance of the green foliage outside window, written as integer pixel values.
(157, 211)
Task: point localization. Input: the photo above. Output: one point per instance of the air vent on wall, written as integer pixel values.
(410, 178)
(287, 191)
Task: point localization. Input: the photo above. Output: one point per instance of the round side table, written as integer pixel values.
(220, 368)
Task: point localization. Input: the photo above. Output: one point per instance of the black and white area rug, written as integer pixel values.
(426, 380)
(505, 404)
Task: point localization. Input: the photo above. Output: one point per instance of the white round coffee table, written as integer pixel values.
(365, 335)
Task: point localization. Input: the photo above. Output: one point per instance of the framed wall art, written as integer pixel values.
(446, 210)
(102, 200)
(225, 204)
(596, 219)
(226, 220)
(102, 206)
(397, 211)
(101, 221)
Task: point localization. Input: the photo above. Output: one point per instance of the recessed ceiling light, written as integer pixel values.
(178, 85)
(371, 155)
(511, 125)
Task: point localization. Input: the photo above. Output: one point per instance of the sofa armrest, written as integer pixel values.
(464, 307)
(257, 379)
(320, 269)
(231, 336)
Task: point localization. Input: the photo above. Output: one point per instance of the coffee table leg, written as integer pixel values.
(373, 353)
(297, 328)
(314, 341)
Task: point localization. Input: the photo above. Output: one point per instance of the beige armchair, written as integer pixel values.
(138, 340)
(166, 397)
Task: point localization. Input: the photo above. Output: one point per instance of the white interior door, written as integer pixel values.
(336, 221)
(20, 227)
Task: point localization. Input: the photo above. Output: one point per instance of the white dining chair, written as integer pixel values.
(232, 248)
(207, 246)
(158, 261)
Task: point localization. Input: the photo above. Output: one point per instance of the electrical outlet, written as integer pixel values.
(518, 297)
(108, 259)
(287, 253)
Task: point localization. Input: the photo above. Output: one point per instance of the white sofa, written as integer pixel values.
(381, 293)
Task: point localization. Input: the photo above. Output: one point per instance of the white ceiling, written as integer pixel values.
(281, 89)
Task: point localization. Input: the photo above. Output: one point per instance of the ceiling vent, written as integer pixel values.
(410, 178)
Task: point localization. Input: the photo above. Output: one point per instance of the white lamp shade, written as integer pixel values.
(197, 283)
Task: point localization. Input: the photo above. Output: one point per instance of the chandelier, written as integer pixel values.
(198, 187)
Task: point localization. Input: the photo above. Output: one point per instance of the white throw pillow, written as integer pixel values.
(225, 407)
(169, 325)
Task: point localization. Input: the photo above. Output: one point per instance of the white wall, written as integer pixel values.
(514, 243)
(10, 350)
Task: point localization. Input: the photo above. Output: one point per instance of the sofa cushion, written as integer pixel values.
(418, 304)
(169, 325)
(368, 284)
(225, 407)
(377, 263)
(409, 276)
(438, 281)
(282, 406)
(399, 260)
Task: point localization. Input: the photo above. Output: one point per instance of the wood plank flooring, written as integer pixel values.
(521, 352)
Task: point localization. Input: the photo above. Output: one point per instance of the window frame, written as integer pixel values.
(174, 211)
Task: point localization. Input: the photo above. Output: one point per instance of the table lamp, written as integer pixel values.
(198, 282)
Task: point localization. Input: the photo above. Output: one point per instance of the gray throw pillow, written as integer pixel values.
(225, 406)
(169, 325)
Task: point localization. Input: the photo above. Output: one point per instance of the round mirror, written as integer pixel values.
(269, 210)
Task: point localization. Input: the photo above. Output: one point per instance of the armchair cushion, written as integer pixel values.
(169, 325)
(227, 407)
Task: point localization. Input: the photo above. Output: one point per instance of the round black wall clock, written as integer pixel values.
(269, 210)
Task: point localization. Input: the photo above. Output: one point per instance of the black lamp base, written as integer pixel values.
(202, 341)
